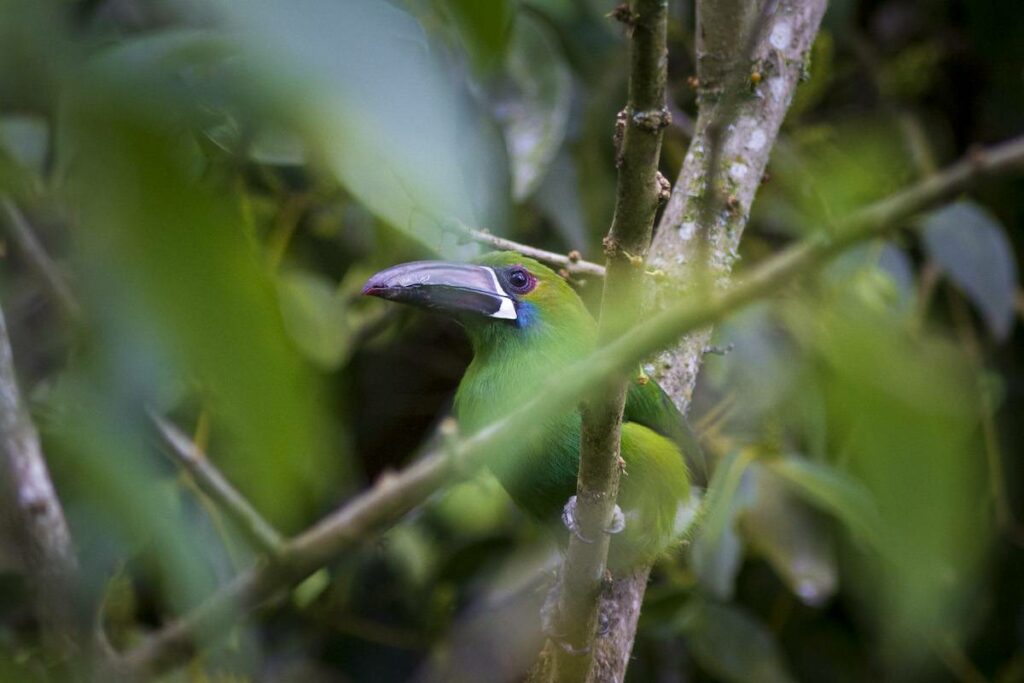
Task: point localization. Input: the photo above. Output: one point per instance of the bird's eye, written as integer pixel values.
(520, 280)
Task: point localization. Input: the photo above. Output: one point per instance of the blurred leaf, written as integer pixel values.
(307, 592)
(412, 553)
(902, 414)
(971, 246)
(717, 561)
(483, 27)
(913, 70)
(791, 537)
(731, 645)
(880, 273)
(830, 171)
(834, 492)
(315, 317)
(360, 80)
(476, 507)
(534, 103)
(757, 340)
(558, 198)
(26, 139)
(270, 146)
(199, 300)
(820, 69)
(98, 448)
(716, 552)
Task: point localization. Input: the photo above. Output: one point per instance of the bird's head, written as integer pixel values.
(501, 296)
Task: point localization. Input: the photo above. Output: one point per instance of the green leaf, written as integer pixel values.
(315, 317)
(484, 28)
(971, 246)
(834, 492)
(731, 645)
(758, 341)
(178, 292)
(534, 107)
(879, 272)
(791, 537)
(311, 588)
(378, 106)
(716, 553)
(558, 198)
(26, 139)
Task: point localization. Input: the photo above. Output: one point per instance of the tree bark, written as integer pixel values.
(41, 529)
(778, 54)
(746, 123)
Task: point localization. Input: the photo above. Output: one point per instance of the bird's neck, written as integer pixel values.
(512, 367)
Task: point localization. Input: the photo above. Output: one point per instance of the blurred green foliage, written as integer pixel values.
(216, 180)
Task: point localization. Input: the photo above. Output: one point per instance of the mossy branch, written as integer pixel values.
(737, 124)
(638, 194)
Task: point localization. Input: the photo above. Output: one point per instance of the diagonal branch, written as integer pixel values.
(190, 457)
(45, 541)
(392, 496)
(21, 231)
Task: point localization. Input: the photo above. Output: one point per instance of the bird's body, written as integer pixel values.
(518, 348)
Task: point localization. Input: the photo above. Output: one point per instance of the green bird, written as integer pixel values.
(525, 324)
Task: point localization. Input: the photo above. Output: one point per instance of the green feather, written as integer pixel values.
(512, 363)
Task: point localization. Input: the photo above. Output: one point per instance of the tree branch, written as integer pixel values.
(735, 38)
(189, 456)
(45, 541)
(639, 133)
(40, 261)
(572, 263)
(737, 125)
(393, 495)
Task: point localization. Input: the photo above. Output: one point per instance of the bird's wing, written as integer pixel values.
(648, 404)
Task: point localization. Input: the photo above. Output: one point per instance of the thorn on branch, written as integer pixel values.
(664, 188)
(613, 250)
(611, 247)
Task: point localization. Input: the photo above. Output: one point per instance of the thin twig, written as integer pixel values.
(189, 456)
(392, 496)
(572, 263)
(21, 231)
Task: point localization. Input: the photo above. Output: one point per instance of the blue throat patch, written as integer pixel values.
(526, 313)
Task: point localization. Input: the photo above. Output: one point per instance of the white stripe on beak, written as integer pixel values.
(507, 310)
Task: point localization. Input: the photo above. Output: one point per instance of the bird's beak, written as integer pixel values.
(453, 288)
